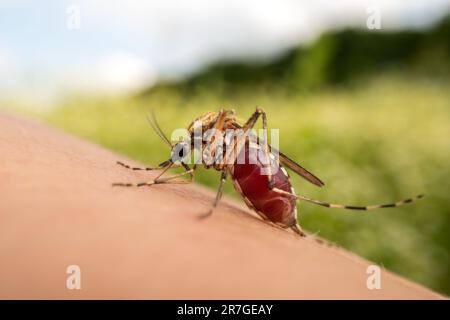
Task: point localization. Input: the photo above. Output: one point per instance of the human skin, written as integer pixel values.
(58, 208)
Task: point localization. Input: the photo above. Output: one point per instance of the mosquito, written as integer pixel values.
(270, 195)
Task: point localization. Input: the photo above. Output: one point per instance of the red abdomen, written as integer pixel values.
(253, 185)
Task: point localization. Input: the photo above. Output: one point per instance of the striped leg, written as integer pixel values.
(350, 207)
(159, 180)
(160, 167)
(298, 229)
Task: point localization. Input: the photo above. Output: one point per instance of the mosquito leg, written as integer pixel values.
(139, 168)
(297, 229)
(223, 178)
(252, 120)
(159, 180)
(218, 125)
(119, 184)
(349, 207)
(190, 171)
(266, 151)
(236, 146)
(249, 125)
(214, 149)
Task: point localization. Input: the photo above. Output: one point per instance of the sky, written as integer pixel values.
(50, 47)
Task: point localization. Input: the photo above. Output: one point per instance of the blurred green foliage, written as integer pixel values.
(368, 112)
(341, 58)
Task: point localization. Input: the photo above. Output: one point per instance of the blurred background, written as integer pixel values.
(359, 91)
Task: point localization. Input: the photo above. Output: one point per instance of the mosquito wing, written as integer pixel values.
(294, 166)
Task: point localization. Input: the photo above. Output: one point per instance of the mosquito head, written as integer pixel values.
(181, 152)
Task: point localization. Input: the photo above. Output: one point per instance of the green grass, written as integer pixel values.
(383, 141)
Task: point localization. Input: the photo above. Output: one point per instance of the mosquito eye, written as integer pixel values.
(179, 152)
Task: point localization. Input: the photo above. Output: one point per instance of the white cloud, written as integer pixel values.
(115, 73)
(123, 44)
(181, 36)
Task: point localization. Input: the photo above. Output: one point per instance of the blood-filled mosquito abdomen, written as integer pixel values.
(253, 186)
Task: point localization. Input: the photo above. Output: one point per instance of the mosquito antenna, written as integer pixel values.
(152, 120)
